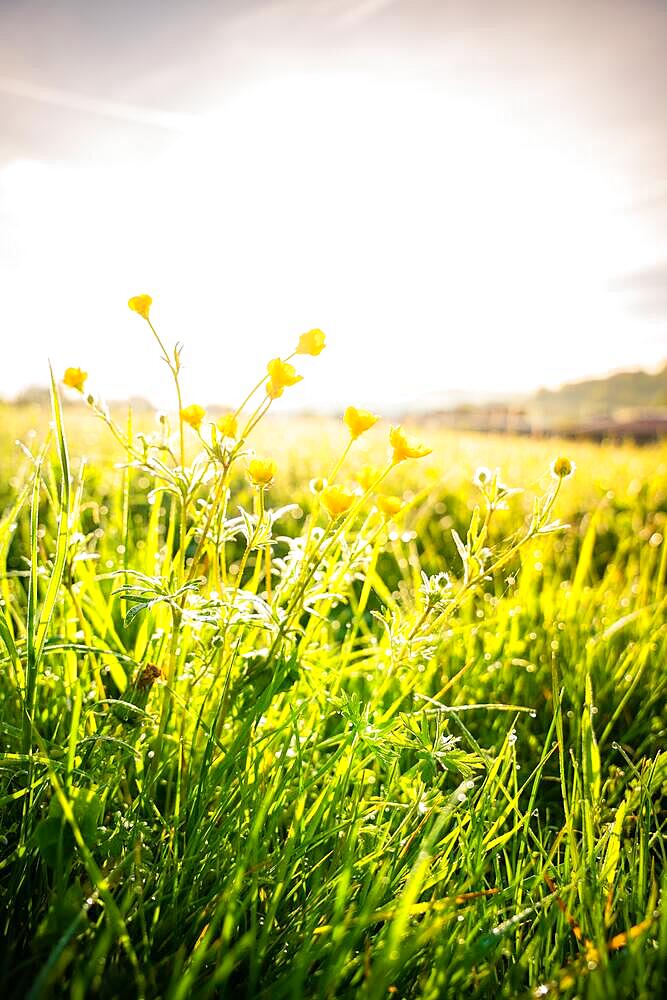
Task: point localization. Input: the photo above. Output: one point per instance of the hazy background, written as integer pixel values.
(463, 195)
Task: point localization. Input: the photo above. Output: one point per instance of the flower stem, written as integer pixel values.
(336, 469)
(173, 368)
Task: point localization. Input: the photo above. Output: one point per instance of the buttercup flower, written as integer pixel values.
(337, 500)
(312, 343)
(405, 446)
(193, 415)
(281, 375)
(367, 476)
(228, 425)
(562, 468)
(262, 471)
(140, 304)
(75, 378)
(389, 506)
(358, 421)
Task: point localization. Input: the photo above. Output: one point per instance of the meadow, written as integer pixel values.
(316, 708)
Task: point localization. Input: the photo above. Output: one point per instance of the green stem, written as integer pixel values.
(334, 472)
(207, 526)
(174, 371)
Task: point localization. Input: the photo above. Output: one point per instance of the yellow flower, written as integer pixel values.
(358, 421)
(75, 378)
(405, 446)
(140, 304)
(561, 468)
(262, 470)
(281, 375)
(312, 342)
(368, 475)
(337, 500)
(193, 415)
(228, 425)
(390, 506)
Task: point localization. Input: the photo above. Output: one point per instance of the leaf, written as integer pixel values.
(54, 840)
(463, 552)
(136, 610)
(585, 561)
(548, 529)
(611, 858)
(62, 541)
(590, 756)
(473, 530)
(54, 836)
(247, 525)
(591, 753)
(10, 645)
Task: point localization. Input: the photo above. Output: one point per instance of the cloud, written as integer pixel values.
(645, 290)
(73, 101)
(364, 10)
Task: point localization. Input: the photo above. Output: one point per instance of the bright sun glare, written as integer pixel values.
(423, 233)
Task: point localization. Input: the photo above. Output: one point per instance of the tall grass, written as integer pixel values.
(250, 748)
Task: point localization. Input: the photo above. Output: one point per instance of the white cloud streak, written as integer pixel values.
(73, 101)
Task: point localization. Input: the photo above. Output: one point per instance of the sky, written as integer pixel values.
(465, 195)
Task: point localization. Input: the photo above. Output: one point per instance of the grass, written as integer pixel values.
(278, 755)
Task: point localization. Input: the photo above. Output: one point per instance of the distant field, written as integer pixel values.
(329, 771)
(304, 446)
